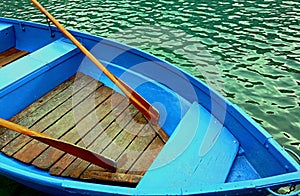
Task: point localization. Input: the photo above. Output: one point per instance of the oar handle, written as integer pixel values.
(62, 145)
(136, 99)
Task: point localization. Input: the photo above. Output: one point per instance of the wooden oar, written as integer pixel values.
(137, 100)
(64, 146)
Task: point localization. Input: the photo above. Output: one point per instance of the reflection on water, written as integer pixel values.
(247, 50)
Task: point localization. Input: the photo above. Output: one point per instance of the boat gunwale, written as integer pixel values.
(72, 186)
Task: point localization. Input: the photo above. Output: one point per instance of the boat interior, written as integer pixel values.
(44, 87)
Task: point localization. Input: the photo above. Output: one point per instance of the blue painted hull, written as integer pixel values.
(204, 128)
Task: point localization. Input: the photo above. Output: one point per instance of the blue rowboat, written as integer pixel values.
(203, 144)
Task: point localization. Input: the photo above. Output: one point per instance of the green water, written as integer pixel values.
(247, 50)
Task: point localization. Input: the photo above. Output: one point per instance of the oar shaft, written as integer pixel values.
(23, 130)
(61, 145)
(137, 100)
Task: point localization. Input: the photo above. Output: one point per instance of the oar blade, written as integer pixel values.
(72, 149)
(150, 112)
(80, 152)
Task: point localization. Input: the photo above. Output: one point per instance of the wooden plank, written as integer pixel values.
(47, 120)
(11, 55)
(41, 108)
(135, 149)
(34, 107)
(60, 166)
(146, 159)
(75, 150)
(120, 143)
(8, 53)
(91, 137)
(109, 177)
(130, 154)
(78, 166)
(34, 148)
(82, 128)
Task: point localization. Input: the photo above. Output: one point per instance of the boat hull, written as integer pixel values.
(176, 93)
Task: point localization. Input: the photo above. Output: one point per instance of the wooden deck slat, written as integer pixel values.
(46, 121)
(84, 112)
(120, 143)
(34, 148)
(40, 108)
(33, 109)
(8, 53)
(135, 149)
(11, 55)
(130, 155)
(105, 177)
(58, 168)
(78, 166)
(147, 157)
(88, 139)
(82, 128)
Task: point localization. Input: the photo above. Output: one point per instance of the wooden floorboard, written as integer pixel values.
(85, 130)
(41, 108)
(148, 156)
(84, 112)
(102, 142)
(11, 55)
(51, 115)
(135, 149)
(90, 138)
